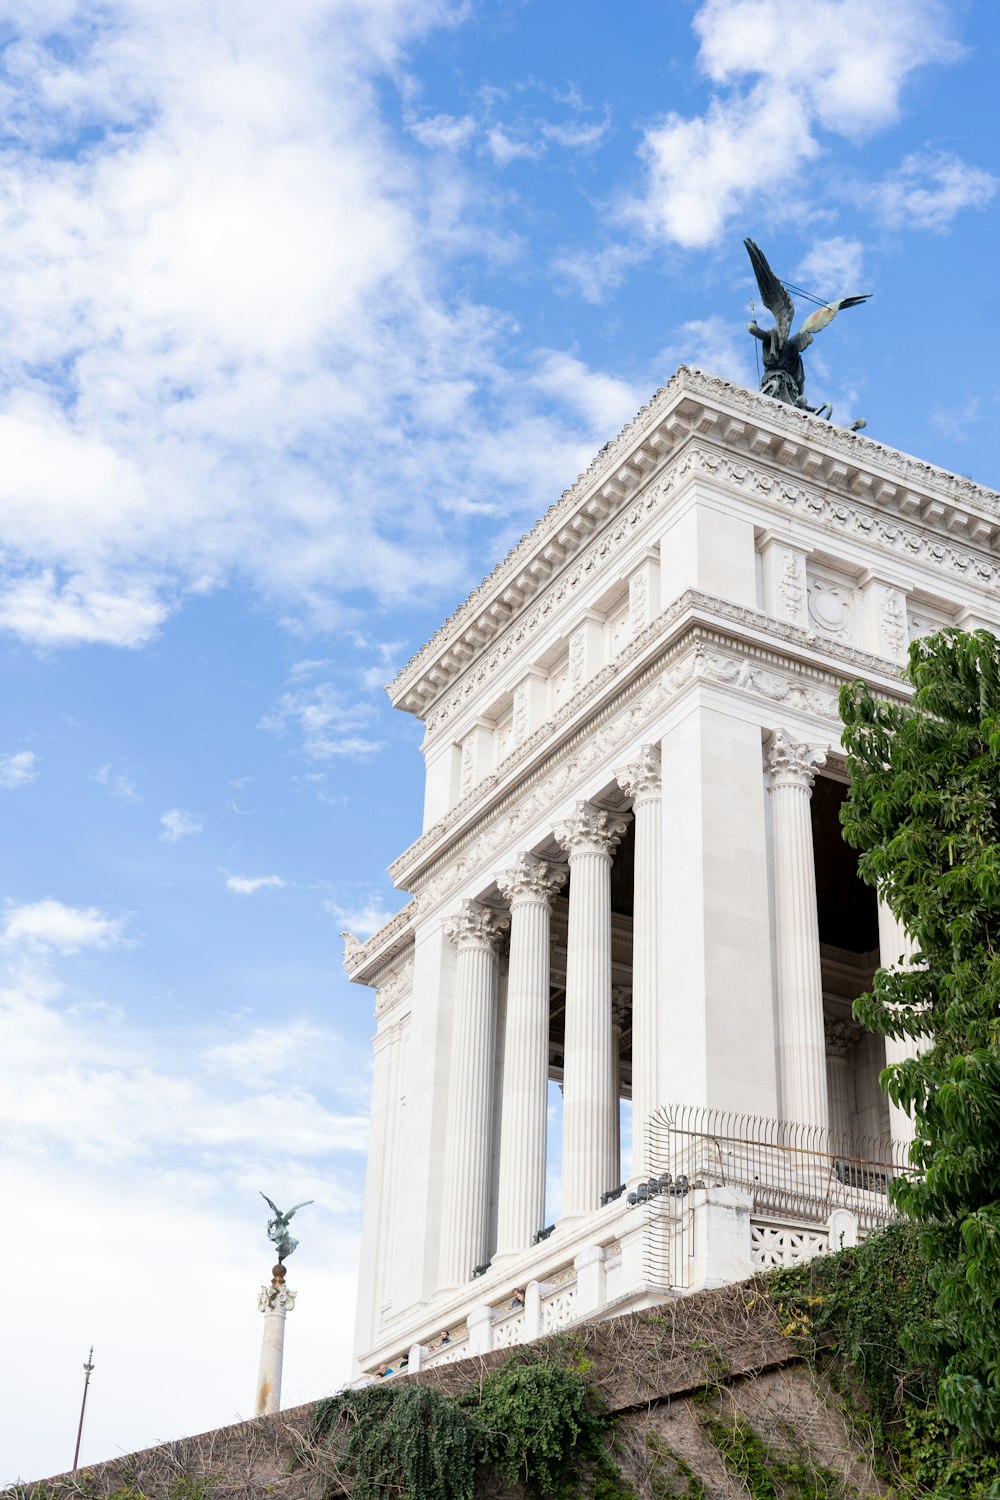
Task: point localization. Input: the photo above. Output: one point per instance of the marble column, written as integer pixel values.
(475, 932)
(590, 837)
(842, 1038)
(274, 1302)
(802, 1086)
(896, 950)
(641, 780)
(529, 887)
(621, 1004)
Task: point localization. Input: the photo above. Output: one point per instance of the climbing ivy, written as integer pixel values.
(859, 1314)
(533, 1422)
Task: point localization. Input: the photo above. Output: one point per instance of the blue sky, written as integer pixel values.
(307, 312)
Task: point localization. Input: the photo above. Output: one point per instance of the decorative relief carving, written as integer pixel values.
(531, 879)
(520, 713)
(641, 779)
(397, 984)
(467, 779)
(791, 587)
(590, 830)
(621, 1008)
(892, 622)
(841, 1037)
(790, 763)
(638, 600)
(577, 659)
(276, 1299)
(871, 526)
(830, 607)
(475, 926)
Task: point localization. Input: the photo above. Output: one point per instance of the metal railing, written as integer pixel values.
(795, 1174)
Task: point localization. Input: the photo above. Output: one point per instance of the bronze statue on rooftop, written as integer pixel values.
(784, 375)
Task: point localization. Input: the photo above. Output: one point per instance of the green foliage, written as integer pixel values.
(859, 1309)
(538, 1423)
(402, 1440)
(924, 809)
(767, 1473)
(533, 1422)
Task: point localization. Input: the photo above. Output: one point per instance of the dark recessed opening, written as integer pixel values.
(848, 909)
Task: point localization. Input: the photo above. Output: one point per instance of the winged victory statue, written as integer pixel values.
(277, 1228)
(784, 373)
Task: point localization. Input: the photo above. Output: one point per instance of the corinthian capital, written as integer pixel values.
(841, 1037)
(530, 879)
(590, 830)
(641, 779)
(475, 926)
(790, 763)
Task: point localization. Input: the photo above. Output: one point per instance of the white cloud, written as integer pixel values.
(504, 148)
(444, 132)
(361, 920)
(605, 402)
(832, 267)
(578, 135)
(230, 345)
(326, 719)
(246, 885)
(117, 783)
(927, 191)
(178, 825)
(19, 769)
(713, 344)
(49, 925)
(781, 70)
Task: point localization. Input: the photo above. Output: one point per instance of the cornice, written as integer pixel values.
(769, 659)
(368, 962)
(744, 424)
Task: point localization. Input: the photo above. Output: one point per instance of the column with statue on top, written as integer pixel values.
(275, 1301)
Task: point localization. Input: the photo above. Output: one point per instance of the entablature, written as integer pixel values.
(698, 635)
(785, 458)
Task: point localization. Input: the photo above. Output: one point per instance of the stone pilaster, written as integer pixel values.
(802, 1086)
(529, 887)
(641, 780)
(896, 950)
(842, 1038)
(475, 932)
(590, 837)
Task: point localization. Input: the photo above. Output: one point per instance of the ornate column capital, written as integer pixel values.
(790, 762)
(276, 1299)
(841, 1037)
(590, 830)
(475, 926)
(531, 879)
(641, 778)
(621, 1007)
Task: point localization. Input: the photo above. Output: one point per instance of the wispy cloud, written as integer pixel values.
(19, 769)
(928, 190)
(117, 783)
(246, 885)
(177, 824)
(360, 919)
(782, 72)
(327, 720)
(51, 926)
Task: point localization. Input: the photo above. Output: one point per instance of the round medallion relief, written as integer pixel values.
(829, 607)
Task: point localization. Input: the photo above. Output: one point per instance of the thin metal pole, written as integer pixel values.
(88, 1368)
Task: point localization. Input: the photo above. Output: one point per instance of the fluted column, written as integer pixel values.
(842, 1038)
(529, 887)
(641, 780)
(475, 932)
(590, 837)
(620, 1006)
(896, 950)
(802, 1087)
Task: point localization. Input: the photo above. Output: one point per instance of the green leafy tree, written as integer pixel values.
(924, 810)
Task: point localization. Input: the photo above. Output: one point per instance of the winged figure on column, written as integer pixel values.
(784, 373)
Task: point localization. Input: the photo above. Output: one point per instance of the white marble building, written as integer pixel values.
(630, 878)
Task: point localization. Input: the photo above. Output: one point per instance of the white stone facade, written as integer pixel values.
(627, 878)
